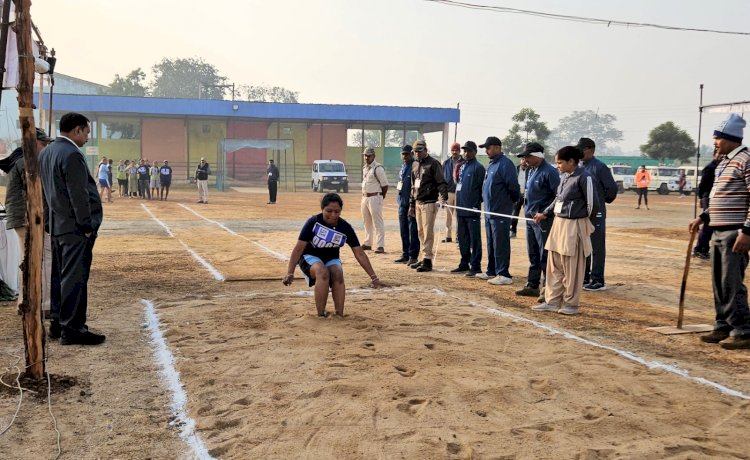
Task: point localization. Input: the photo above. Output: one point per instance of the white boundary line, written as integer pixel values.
(165, 360)
(227, 229)
(211, 269)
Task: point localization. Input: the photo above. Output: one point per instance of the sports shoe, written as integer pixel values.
(482, 276)
(544, 306)
(500, 280)
(366, 248)
(460, 269)
(446, 240)
(401, 260)
(81, 338)
(426, 266)
(594, 286)
(568, 310)
(380, 250)
(739, 342)
(715, 336)
(529, 291)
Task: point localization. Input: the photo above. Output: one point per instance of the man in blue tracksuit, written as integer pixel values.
(499, 191)
(606, 192)
(407, 223)
(541, 188)
(469, 195)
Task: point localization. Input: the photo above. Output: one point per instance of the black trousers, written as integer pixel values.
(272, 188)
(517, 212)
(71, 266)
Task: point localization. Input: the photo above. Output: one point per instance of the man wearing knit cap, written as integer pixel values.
(449, 167)
(374, 188)
(407, 224)
(728, 215)
(606, 192)
(541, 188)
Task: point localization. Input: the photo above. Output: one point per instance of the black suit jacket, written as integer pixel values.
(72, 203)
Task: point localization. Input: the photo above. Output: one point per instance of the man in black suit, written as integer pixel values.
(74, 214)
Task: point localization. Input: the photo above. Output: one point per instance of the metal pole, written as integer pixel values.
(455, 125)
(698, 155)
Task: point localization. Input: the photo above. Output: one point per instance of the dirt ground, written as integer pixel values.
(438, 366)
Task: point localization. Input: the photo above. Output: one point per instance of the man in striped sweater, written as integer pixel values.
(728, 215)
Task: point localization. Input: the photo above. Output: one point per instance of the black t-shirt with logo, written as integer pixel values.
(325, 241)
(143, 172)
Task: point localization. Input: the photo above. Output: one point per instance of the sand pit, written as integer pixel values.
(424, 370)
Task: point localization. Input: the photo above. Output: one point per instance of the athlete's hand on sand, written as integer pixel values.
(287, 280)
(376, 284)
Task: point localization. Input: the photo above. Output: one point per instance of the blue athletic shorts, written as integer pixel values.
(104, 183)
(307, 261)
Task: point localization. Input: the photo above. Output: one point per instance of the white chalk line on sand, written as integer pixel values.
(232, 232)
(165, 361)
(211, 269)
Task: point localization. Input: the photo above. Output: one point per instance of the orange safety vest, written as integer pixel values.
(642, 179)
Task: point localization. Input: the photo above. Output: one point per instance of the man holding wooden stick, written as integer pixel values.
(728, 214)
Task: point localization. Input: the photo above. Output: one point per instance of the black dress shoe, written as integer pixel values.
(460, 270)
(54, 330)
(426, 266)
(411, 261)
(81, 338)
(366, 248)
(401, 260)
(447, 240)
(415, 265)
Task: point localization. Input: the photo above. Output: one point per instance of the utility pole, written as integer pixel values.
(33, 329)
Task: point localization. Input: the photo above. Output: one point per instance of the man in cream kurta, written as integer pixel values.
(374, 189)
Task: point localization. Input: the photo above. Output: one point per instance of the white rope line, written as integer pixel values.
(211, 269)
(165, 360)
(488, 213)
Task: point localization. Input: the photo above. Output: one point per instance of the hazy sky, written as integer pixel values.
(419, 53)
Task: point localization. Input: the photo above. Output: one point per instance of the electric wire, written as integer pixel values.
(582, 19)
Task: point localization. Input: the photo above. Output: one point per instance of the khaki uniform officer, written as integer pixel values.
(374, 188)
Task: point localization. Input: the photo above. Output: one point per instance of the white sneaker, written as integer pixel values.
(544, 306)
(568, 310)
(482, 276)
(500, 280)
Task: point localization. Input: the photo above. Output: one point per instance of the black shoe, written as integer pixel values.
(594, 286)
(54, 330)
(715, 336)
(460, 270)
(81, 338)
(701, 255)
(366, 248)
(739, 342)
(426, 266)
(447, 240)
(415, 264)
(528, 291)
(401, 260)
(380, 250)
(471, 274)
(411, 262)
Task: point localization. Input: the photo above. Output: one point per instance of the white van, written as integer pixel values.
(665, 179)
(329, 175)
(624, 177)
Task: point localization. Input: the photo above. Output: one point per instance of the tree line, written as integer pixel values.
(666, 141)
(193, 78)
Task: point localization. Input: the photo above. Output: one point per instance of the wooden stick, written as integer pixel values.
(685, 272)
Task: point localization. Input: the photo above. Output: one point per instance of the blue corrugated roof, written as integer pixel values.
(264, 110)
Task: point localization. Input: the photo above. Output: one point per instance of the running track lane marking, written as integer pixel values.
(165, 360)
(232, 232)
(211, 269)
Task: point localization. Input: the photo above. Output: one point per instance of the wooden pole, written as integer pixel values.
(681, 312)
(33, 328)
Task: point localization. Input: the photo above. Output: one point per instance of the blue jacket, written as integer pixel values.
(500, 189)
(448, 174)
(541, 188)
(470, 176)
(604, 184)
(404, 175)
